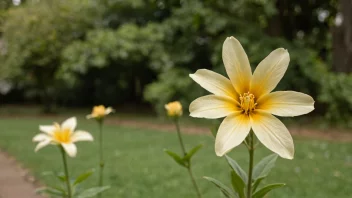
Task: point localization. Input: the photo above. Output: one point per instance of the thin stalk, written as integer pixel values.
(69, 192)
(251, 157)
(101, 156)
(184, 154)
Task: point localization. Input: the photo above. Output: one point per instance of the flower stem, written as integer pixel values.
(184, 154)
(69, 192)
(101, 163)
(251, 157)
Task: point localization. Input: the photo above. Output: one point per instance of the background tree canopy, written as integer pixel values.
(84, 52)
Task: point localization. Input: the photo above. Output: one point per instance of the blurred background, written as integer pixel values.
(79, 53)
(58, 58)
(138, 53)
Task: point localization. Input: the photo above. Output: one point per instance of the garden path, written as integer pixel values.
(14, 180)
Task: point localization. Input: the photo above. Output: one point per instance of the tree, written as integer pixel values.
(342, 38)
(33, 37)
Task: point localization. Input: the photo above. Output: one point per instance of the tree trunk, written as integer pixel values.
(342, 39)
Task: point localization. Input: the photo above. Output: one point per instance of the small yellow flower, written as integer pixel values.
(100, 112)
(63, 134)
(174, 109)
(246, 102)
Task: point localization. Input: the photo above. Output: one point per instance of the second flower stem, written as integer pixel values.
(184, 154)
(69, 192)
(101, 162)
(251, 159)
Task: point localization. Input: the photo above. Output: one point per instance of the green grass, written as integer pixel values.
(137, 166)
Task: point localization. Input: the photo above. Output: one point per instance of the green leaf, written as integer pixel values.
(192, 152)
(262, 192)
(177, 158)
(91, 192)
(256, 183)
(226, 191)
(237, 184)
(83, 177)
(262, 169)
(56, 192)
(237, 168)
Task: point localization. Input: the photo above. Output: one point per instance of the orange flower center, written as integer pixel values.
(99, 111)
(62, 135)
(247, 102)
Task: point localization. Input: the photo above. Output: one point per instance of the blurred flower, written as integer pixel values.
(63, 134)
(100, 112)
(246, 102)
(174, 109)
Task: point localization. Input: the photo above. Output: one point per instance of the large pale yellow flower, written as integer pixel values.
(246, 102)
(100, 112)
(63, 134)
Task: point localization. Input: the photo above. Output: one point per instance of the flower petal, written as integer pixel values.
(89, 116)
(70, 149)
(212, 106)
(42, 144)
(286, 103)
(41, 137)
(269, 72)
(214, 83)
(236, 64)
(81, 136)
(49, 129)
(108, 110)
(232, 131)
(70, 123)
(272, 133)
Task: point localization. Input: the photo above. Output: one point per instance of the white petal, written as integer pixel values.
(70, 149)
(273, 134)
(108, 110)
(214, 83)
(269, 72)
(42, 144)
(89, 116)
(41, 137)
(236, 64)
(212, 106)
(232, 131)
(49, 129)
(286, 103)
(70, 123)
(81, 136)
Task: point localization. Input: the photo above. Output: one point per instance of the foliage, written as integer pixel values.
(34, 36)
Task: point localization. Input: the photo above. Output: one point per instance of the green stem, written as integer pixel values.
(194, 181)
(101, 163)
(66, 172)
(179, 136)
(184, 154)
(251, 157)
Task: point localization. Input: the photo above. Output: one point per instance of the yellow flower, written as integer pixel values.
(63, 134)
(246, 102)
(99, 112)
(174, 109)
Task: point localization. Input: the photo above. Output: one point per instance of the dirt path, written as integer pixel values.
(14, 180)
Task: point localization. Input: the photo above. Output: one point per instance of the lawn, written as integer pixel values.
(137, 166)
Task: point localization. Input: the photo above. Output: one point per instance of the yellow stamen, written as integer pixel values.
(99, 111)
(247, 102)
(62, 135)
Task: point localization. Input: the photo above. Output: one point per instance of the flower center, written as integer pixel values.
(99, 111)
(62, 135)
(247, 102)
